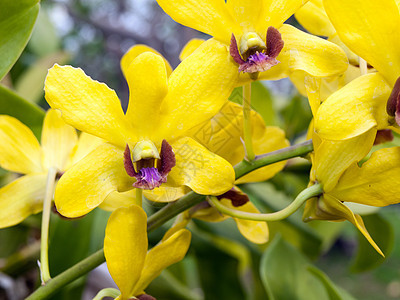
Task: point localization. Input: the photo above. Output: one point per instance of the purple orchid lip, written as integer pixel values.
(150, 177)
(258, 59)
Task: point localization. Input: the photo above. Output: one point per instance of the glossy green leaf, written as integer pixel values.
(286, 275)
(30, 84)
(28, 113)
(17, 19)
(383, 234)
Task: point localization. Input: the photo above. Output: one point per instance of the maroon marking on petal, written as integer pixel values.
(234, 51)
(145, 297)
(392, 104)
(128, 162)
(238, 198)
(274, 42)
(383, 136)
(167, 159)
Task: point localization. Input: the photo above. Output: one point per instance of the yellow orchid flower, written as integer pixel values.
(21, 152)
(222, 136)
(370, 29)
(148, 146)
(125, 248)
(258, 39)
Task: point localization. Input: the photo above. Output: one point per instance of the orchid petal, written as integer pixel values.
(19, 149)
(125, 247)
(87, 184)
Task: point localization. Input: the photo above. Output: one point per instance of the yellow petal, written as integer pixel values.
(208, 16)
(163, 255)
(147, 80)
(125, 247)
(247, 13)
(21, 198)
(202, 171)
(370, 29)
(332, 158)
(343, 211)
(313, 18)
(202, 95)
(58, 140)
(190, 47)
(256, 232)
(165, 193)
(314, 55)
(86, 144)
(87, 105)
(354, 109)
(84, 186)
(375, 183)
(275, 12)
(180, 222)
(116, 200)
(134, 52)
(19, 149)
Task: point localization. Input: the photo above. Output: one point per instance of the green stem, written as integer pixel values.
(245, 167)
(108, 292)
(166, 213)
(139, 197)
(306, 194)
(44, 239)
(247, 121)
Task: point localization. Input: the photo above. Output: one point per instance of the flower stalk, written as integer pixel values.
(107, 292)
(44, 243)
(247, 121)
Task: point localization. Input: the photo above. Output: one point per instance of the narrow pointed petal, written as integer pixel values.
(370, 29)
(208, 16)
(354, 109)
(332, 158)
(21, 198)
(19, 149)
(344, 212)
(202, 171)
(87, 184)
(86, 143)
(190, 47)
(86, 104)
(147, 80)
(163, 255)
(116, 200)
(58, 140)
(313, 18)
(202, 95)
(276, 12)
(254, 231)
(134, 52)
(375, 183)
(125, 247)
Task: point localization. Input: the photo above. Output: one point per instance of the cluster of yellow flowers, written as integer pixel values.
(350, 80)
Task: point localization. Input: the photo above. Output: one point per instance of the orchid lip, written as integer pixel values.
(258, 59)
(147, 175)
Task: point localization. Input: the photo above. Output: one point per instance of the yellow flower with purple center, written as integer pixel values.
(148, 146)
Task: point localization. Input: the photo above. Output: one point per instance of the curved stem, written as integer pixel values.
(44, 240)
(108, 292)
(166, 213)
(248, 142)
(306, 194)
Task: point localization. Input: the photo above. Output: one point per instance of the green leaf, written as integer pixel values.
(297, 116)
(383, 234)
(28, 113)
(286, 274)
(17, 19)
(30, 84)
